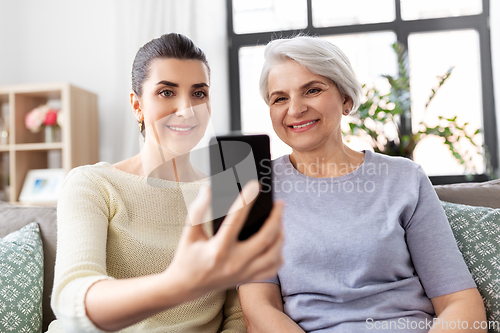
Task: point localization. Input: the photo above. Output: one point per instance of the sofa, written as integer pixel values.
(485, 194)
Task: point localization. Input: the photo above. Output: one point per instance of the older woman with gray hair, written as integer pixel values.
(367, 243)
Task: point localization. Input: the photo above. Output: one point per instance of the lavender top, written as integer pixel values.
(364, 252)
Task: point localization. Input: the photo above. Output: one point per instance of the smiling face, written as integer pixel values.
(306, 108)
(175, 103)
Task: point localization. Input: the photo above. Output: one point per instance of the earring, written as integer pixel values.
(346, 112)
(141, 126)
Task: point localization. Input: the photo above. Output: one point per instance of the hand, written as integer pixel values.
(222, 261)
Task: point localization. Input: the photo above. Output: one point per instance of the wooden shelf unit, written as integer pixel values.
(24, 150)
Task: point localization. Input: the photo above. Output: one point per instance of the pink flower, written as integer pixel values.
(42, 115)
(50, 118)
(34, 119)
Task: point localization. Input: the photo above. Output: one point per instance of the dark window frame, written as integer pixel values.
(402, 29)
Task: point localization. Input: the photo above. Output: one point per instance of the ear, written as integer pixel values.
(136, 106)
(347, 105)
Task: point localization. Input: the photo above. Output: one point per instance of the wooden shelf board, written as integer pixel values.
(38, 146)
(4, 148)
(18, 203)
(34, 88)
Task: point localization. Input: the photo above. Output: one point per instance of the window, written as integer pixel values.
(438, 34)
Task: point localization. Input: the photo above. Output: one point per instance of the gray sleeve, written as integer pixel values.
(274, 280)
(433, 250)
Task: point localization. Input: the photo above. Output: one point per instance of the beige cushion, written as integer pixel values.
(13, 218)
(485, 194)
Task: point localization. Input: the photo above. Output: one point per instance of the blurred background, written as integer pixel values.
(91, 44)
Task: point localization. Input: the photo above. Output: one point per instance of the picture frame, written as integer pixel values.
(42, 185)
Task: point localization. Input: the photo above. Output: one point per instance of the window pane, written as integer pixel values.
(268, 15)
(328, 13)
(370, 55)
(432, 54)
(425, 9)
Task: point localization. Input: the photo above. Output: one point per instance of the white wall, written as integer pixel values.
(92, 43)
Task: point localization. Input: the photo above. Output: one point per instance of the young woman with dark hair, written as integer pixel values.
(129, 256)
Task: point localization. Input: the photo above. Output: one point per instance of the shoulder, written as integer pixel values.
(99, 177)
(90, 168)
(394, 166)
(395, 161)
(280, 160)
(85, 186)
(100, 170)
(397, 174)
(281, 163)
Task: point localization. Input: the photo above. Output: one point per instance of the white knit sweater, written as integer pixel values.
(113, 225)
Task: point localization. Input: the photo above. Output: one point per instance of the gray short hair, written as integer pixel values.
(320, 57)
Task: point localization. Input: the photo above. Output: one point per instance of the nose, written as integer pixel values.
(186, 112)
(185, 109)
(296, 107)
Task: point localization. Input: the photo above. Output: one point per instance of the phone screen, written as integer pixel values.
(234, 161)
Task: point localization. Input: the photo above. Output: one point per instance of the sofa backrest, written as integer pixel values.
(13, 218)
(485, 194)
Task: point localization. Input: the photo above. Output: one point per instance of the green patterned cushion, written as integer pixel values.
(477, 232)
(21, 280)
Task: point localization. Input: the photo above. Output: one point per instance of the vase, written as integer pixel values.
(51, 134)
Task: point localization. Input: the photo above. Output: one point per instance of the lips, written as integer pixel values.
(303, 124)
(180, 128)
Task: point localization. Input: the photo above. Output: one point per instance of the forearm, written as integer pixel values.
(115, 304)
(270, 319)
(459, 317)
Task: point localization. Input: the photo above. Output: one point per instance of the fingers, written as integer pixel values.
(233, 223)
(268, 232)
(196, 215)
(267, 264)
(261, 253)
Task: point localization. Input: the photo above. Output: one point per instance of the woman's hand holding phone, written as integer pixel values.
(203, 264)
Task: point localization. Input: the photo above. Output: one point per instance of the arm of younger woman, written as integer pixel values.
(201, 264)
(262, 307)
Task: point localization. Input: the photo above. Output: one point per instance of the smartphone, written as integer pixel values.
(236, 159)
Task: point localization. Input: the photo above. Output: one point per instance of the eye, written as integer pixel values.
(313, 91)
(200, 94)
(166, 93)
(279, 99)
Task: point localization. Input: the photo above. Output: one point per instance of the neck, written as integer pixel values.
(177, 169)
(159, 163)
(333, 163)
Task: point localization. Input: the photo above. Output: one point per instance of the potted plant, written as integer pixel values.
(392, 109)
